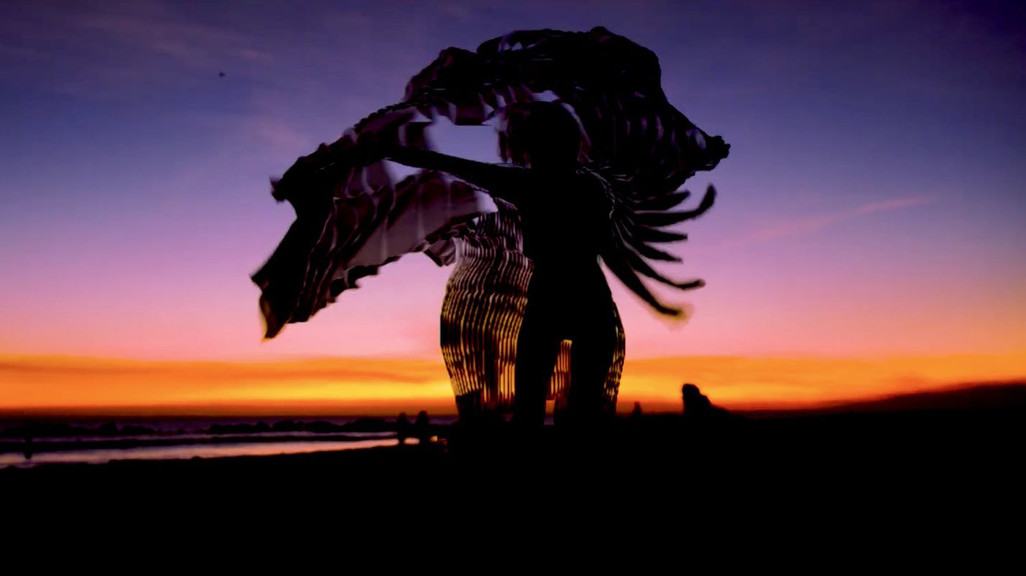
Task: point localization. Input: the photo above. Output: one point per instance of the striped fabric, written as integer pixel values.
(481, 315)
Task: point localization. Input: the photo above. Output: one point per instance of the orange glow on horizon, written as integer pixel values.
(353, 386)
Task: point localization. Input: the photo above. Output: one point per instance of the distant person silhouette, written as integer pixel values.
(422, 428)
(402, 428)
(565, 213)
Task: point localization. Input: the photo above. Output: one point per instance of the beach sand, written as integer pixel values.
(922, 467)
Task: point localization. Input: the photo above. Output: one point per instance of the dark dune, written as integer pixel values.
(963, 397)
(975, 396)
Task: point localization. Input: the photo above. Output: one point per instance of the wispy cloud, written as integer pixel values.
(891, 204)
(812, 224)
(274, 135)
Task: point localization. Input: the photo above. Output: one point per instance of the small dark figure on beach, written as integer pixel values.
(422, 428)
(697, 405)
(565, 213)
(402, 428)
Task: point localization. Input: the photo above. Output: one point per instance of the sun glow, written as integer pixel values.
(385, 386)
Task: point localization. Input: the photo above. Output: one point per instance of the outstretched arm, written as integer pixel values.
(506, 182)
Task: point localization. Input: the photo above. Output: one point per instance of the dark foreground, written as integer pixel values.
(837, 475)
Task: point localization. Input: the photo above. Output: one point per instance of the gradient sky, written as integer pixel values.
(872, 205)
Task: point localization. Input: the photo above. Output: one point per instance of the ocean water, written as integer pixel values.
(35, 443)
(182, 452)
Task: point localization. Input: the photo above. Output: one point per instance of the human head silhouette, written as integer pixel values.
(540, 135)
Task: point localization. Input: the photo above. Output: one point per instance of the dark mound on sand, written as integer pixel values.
(964, 397)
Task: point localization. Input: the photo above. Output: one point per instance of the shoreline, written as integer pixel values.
(649, 439)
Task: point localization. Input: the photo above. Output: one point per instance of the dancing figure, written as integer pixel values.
(352, 217)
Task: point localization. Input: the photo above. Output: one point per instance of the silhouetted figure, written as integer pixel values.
(565, 214)
(422, 428)
(352, 218)
(637, 413)
(697, 405)
(402, 428)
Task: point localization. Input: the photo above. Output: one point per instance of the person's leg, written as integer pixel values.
(591, 355)
(537, 352)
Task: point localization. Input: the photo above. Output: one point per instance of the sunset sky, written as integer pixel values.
(868, 238)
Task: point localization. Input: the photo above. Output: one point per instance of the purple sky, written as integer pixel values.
(872, 202)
